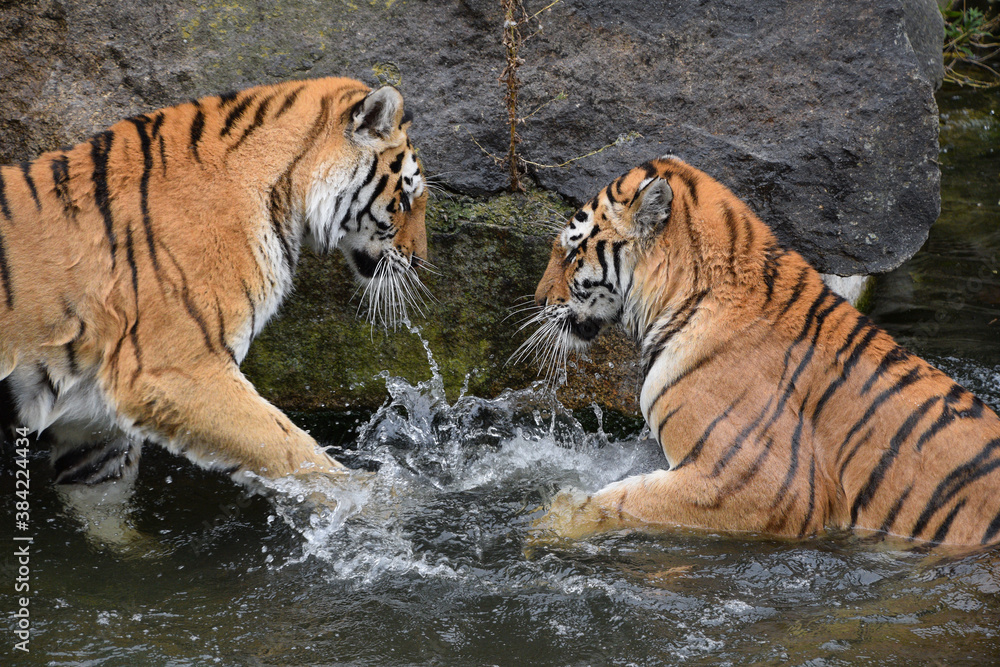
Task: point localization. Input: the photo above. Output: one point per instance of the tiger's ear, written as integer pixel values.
(651, 206)
(378, 115)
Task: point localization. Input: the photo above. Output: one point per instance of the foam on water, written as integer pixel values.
(427, 451)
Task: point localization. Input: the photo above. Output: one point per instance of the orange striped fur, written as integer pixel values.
(780, 408)
(136, 267)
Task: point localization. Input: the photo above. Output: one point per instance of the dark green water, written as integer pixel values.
(425, 562)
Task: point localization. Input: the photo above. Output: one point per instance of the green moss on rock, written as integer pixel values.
(488, 255)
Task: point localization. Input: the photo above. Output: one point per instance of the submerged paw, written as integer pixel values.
(572, 515)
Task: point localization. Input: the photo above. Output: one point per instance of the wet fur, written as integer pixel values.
(780, 408)
(135, 268)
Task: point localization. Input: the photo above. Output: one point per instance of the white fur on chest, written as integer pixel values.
(675, 358)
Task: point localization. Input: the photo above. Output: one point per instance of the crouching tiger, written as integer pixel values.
(135, 268)
(780, 408)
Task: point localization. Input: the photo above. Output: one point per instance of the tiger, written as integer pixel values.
(137, 266)
(780, 408)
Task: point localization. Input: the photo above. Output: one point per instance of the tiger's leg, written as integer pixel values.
(218, 420)
(661, 499)
(96, 480)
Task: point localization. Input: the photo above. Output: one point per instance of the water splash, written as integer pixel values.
(459, 459)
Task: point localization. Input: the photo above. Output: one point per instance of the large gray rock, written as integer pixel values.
(819, 114)
(924, 26)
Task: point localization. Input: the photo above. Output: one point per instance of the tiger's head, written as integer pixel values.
(590, 280)
(368, 197)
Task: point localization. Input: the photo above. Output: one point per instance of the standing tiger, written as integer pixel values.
(780, 408)
(135, 268)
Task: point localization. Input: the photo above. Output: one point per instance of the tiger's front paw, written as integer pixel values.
(572, 515)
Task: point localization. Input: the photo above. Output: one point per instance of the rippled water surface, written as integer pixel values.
(424, 561)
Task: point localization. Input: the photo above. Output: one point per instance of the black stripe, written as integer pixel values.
(599, 250)
(26, 171)
(3, 198)
(890, 518)
(818, 317)
(900, 385)
(730, 217)
(133, 267)
(147, 167)
(949, 414)
(157, 125)
(134, 329)
(942, 532)
(808, 320)
(695, 452)
(868, 491)
(772, 265)
(666, 418)
(845, 371)
(235, 115)
(100, 148)
(155, 132)
(253, 307)
(225, 99)
(289, 101)
(74, 367)
(677, 323)
(750, 473)
(189, 303)
(894, 356)
(859, 326)
(811, 317)
(692, 183)
(351, 92)
(321, 121)
(857, 447)
(192, 309)
(695, 237)
(739, 441)
(60, 181)
(812, 498)
(345, 218)
(958, 479)
(397, 164)
(5, 275)
(277, 225)
(258, 120)
(992, 529)
(793, 465)
(366, 210)
(616, 251)
(688, 371)
(796, 292)
(222, 331)
(197, 127)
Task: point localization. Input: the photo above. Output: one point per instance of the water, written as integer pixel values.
(423, 558)
(424, 562)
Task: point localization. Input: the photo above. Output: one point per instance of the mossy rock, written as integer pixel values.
(488, 255)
